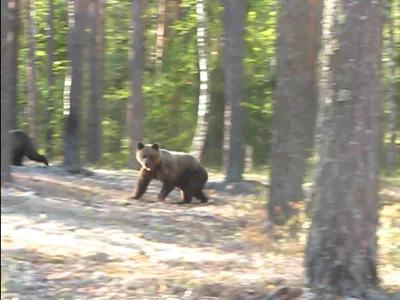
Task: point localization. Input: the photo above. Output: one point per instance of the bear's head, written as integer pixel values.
(148, 156)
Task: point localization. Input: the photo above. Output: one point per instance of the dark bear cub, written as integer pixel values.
(22, 145)
(173, 169)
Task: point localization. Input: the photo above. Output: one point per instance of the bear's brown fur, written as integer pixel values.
(22, 145)
(173, 169)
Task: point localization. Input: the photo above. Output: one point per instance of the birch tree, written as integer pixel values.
(204, 96)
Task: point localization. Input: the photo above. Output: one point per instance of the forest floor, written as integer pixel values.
(73, 237)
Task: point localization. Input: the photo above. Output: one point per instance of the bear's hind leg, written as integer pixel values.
(201, 196)
(187, 196)
(17, 158)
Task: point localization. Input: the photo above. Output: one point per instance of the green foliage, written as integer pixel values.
(171, 96)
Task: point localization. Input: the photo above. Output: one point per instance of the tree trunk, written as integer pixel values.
(94, 131)
(234, 20)
(295, 105)
(33, 93)
(14, 28)
(137, 78)
(5, 99)
(204, 96)
(161, 29)
(50, 80)
(391, 149)
(72, 135)
(341, 254)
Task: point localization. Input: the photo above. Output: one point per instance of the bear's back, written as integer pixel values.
(179, 162)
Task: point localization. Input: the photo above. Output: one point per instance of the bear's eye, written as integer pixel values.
(144, 156)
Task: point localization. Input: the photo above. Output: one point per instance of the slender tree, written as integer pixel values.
(72, 135)
(137, 78)
(50, 80)
(33, 92)
(295, 107)
(5, 99)
(94, 130)
(204, 96)
(341, 254)
(391, 151)
(161, 30)
(234, 21)
(14, 35)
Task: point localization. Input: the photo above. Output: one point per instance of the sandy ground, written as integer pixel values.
(74, 237)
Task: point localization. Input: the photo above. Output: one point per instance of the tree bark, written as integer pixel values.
(204, 96)
(137, 78)
(33, 93)
(50, 80)
(234, 20)
(295, 106)
(14, 29)
(5, 98)
(341, 254)
(391, 148)
(161, 29)
(94, 130)
(72, 135)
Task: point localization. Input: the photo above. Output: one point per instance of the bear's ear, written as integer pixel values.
(140, 146)
(155, 146)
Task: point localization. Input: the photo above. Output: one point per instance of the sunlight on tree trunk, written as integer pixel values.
(33, 93)
(94, 131)
(391, 147)
(5, 97)
(50, 81)
(137, 78)
(341, 253)
(204, 97)
(295, 106)
(14, 44)
(234, 20)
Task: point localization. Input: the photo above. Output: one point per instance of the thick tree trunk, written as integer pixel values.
(50, 80)
(234, 19)
(14, 29)
(391, 148)
(137, 78)
(5, 97)
(72, 135)
(341, 255)
(295, 106)
(33, 93)
(204, 97)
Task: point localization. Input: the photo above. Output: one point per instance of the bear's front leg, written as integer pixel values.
(165, 190)
(142, 183)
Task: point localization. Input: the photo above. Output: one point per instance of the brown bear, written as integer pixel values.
(22, 145)
(173, 169)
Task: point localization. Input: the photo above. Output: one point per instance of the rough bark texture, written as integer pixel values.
(234, 20)
(137, 78)
(50, 80)
(94, 130)
(33, 92)
(5, 99)
(295, 103)
(391, 151)
(13, 46)
(204, 96)
(341, 255)
(72, 135)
